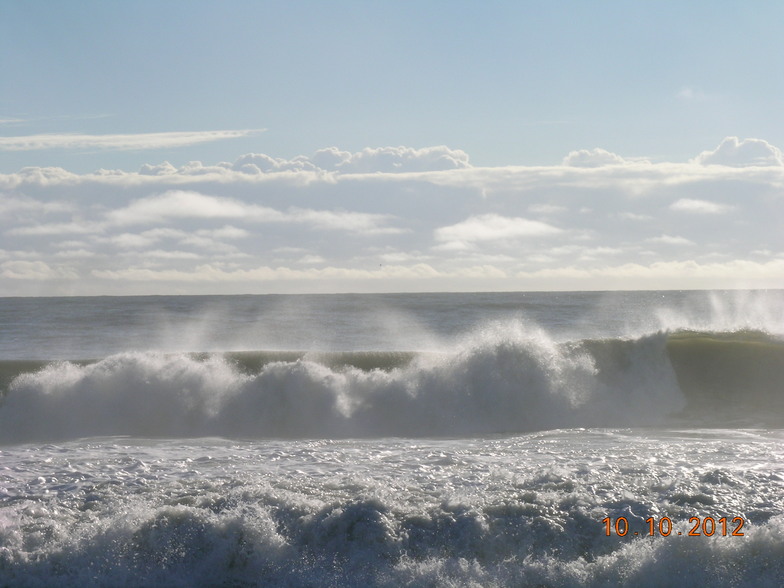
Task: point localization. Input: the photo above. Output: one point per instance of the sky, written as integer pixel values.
(192, 147)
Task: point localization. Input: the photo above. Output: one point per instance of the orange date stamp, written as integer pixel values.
(700, 527)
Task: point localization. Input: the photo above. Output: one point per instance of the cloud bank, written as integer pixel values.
(397, 219)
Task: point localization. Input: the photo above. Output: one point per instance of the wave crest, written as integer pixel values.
(499, 382)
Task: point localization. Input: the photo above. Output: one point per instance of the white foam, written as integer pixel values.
(493, 512)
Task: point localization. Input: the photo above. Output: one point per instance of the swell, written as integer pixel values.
(501, 381)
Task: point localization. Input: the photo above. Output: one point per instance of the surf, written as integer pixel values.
(502, 379)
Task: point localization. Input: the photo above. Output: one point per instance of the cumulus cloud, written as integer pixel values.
(391, 159)
(592, 158)
(160, 169)
(256, 163)
(747, 153)
(329, 160)
(137, 141)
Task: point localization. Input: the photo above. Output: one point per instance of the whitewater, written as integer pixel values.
(463, 439)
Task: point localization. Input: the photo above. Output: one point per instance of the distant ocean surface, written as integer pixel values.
(493, 439)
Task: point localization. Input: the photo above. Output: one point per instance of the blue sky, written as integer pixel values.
(502, 92)
(508, 82)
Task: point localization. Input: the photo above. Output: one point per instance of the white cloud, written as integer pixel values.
(132, 241)
(311, 259)
(34, 270)
(258, 163)
(594, 253)
(184, 204)
(670, 240)
(331, 160)
(15, 204)
(547, 209)
(138, 141)
(188, 204)
(160, 169)
(164, 254)
(70, 228)
(391, 159)
(747, 153)
(592, 158)
(356, 222)
(742, 270)
(75, 254)
(634, 216)
(493, 227)
(208, 244)
(72, 244)
(19, 254)
(263, 220)
(205, 239)
(225, 232)
(700, 206)
(289, 250)
(213, 273)
(40, 176)
(398, 257)
(626, 275)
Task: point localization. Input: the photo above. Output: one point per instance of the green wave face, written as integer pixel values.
(736, 375)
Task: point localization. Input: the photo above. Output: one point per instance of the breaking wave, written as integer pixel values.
(502, 380)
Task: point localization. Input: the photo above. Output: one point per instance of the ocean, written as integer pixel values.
(460, 439)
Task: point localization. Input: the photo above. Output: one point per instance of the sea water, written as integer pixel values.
(495, 439)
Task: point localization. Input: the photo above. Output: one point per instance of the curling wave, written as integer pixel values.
(502, 381)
